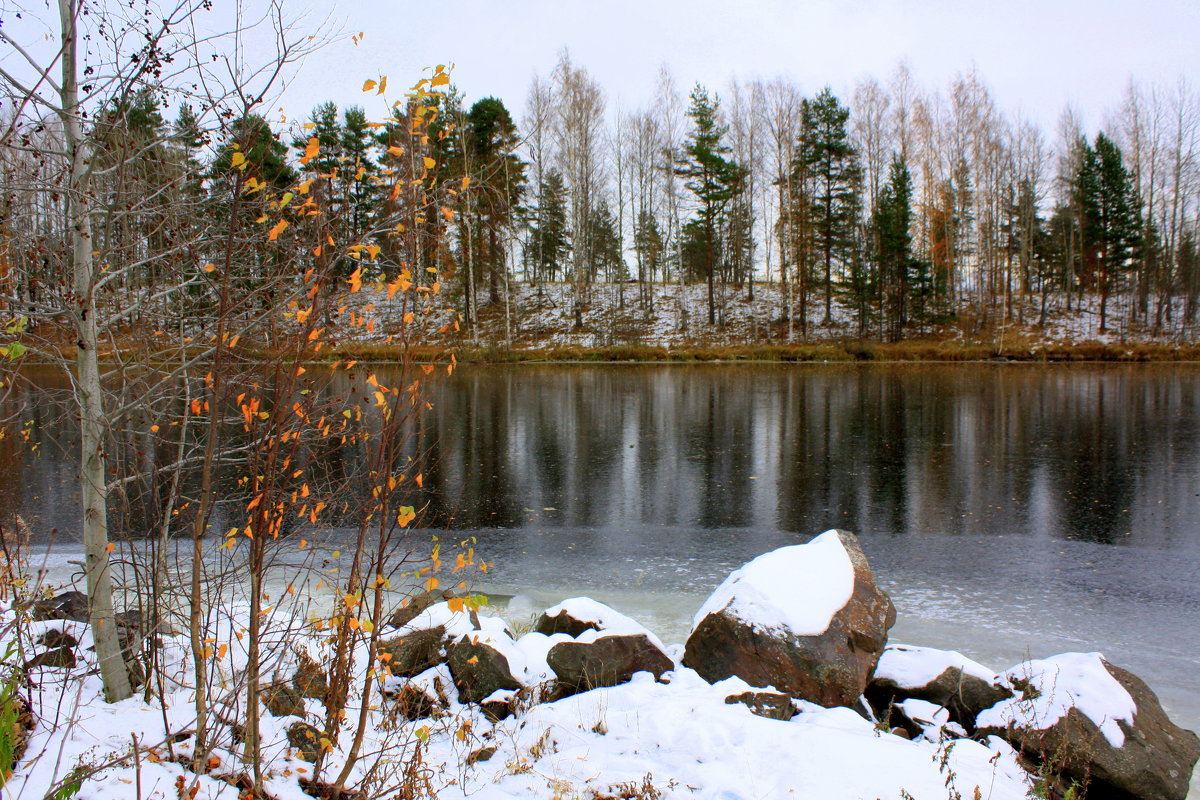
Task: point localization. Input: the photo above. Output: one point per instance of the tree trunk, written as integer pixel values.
(93, 464)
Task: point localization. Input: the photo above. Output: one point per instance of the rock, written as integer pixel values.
(1089, 721)
(68, 605)
(592, 662)
(283, 700)
(807, 620)
(485, 662)
(414, 606)
(500, 704)
(482, 754)
(413, 652)
(59, 658)
(305, 738)
(573, 617)
(55, 638)
(412, 702)
(921, 719)
(771, 705)
(942, 677)
(420, 696)
(309, 679)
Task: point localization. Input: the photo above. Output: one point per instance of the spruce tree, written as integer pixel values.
(711, 177)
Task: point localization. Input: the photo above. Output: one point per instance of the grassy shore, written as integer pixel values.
(907, 351)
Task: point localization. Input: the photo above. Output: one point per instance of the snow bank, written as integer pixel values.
(795, 589)
(1057, 684)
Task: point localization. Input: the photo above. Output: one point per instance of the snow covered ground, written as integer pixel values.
(544, 316)
(672, 739)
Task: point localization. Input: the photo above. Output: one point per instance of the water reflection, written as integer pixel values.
(1102, 454)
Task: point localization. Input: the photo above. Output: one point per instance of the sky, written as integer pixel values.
(1035, 55)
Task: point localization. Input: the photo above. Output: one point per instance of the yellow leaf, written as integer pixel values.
(473, 660)
(209, 267)
(382, 85)
(355, 280)
(466, 181)
(431, 583)
(440, 80)
(429, 162)
(279, 228)
(396, 150)
(239, 160)
(368, 85)
(447, 213)
(222, 650)
(456, 604)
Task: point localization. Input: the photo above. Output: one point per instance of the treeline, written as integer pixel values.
(894, 208)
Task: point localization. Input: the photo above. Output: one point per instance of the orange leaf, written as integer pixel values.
(355, 280)
(279, 228)
(368, 85)
(310, 151)
(108, 548)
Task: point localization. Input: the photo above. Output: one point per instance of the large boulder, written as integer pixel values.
(807, 620)
(942, 677)
(1091, 722)
(72, 605)
(577, 615)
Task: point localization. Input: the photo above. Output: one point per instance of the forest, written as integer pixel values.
(887, 213)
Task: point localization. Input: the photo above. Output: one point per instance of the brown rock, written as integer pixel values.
(283, 700)
(305, 738)
(563, 622)
(55, 638)
(605, 661)
(830, 669)
(412, 653)
(59, 658)
(416, 605)
(771, 705)
(479, 669)
(309, 679)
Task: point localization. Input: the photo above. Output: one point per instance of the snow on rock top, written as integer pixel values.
(609, 621)
(1055, 686)
(911, 667)
(797, 589)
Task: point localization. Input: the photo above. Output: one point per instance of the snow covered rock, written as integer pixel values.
(591, 645)
(1095, 723)
(943, 677)
(579, 614)
(807, 620)
(410, 609)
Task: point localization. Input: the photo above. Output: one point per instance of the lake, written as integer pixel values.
(1010, 510)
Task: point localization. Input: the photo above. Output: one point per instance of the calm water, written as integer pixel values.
(1010, 509)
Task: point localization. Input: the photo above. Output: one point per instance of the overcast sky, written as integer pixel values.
(1035, 55)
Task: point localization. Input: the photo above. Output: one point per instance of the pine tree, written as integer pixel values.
(648, 244)
(829, 161)
(892, 221)
(711, 177)
(497, 182)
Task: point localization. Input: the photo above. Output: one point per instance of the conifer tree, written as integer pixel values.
(711, 177)
(829, 159)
